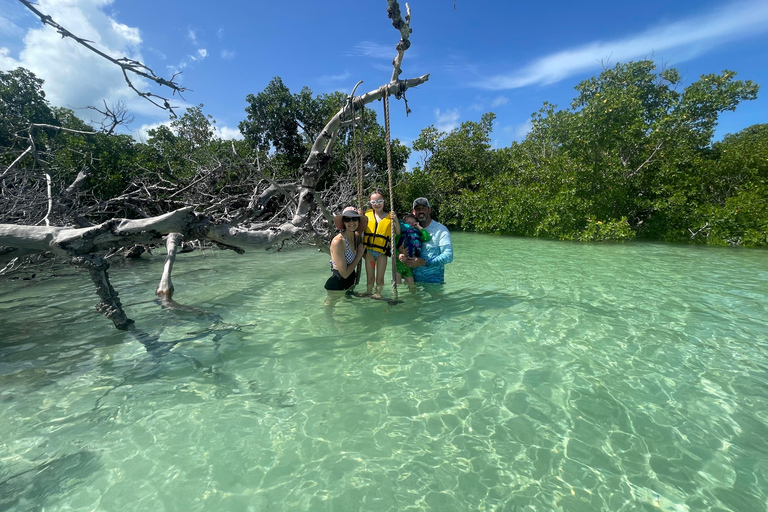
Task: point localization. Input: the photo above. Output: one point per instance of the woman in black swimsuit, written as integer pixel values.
(347, 250)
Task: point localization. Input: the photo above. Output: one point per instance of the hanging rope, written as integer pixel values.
(385, 99)
(357, 143)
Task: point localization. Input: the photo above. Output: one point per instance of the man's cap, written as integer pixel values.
(421, 201)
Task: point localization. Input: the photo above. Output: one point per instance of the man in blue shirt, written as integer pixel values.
(435, 253)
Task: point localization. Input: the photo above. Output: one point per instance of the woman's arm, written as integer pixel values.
(339, 258)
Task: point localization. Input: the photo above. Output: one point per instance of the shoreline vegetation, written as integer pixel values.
(632, 157)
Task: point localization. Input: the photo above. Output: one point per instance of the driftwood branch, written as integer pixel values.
(50, 199)
(404, 27)
(15, 162)
(59, 128)
(126, 65)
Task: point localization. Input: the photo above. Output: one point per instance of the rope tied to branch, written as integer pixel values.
(357, 143)
(402, 86)
(385, 99)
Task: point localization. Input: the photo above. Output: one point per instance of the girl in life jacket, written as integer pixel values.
(378, 241)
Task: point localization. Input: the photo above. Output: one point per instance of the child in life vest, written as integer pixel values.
(409, 245)
(378, 243)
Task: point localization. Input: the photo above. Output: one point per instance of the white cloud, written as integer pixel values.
(124, 32)
(201, 54)
(687, 38)
(373, 50)
(512, 133)
(178, 68)
(448, 120)
(192, 36)
(499, 101)
(142, 134)
(6, 61)
(222, 132)
(227, 54)
(227, 133)
(523, 129)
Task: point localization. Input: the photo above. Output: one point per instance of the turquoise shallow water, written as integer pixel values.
(543, 376)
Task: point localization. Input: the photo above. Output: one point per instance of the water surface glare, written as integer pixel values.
(543, 376)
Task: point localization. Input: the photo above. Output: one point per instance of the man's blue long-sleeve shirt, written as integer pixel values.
(437, 253)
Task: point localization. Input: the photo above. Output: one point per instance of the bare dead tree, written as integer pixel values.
(234, 221)
(113, 116)
(26, 192)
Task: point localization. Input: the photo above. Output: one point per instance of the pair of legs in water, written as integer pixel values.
(375, 268)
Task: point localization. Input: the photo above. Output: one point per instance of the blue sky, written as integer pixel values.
(486, 55)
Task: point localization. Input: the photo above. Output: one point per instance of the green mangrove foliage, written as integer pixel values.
(632, 157)
(95, 175)
(285, 124)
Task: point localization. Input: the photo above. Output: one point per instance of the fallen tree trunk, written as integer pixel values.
(81, 246)
(69, 242)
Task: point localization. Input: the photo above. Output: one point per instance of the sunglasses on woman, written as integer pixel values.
(349, 219)
(378, 201)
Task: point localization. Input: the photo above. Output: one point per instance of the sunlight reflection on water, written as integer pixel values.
(551, 376)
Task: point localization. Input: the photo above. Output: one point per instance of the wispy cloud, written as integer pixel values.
(334, 79)
(157, 52)
(372, 50)
(227, 54)
(479, 106)
(192, 35)
(448, 120)
(523, 129)
(688, 38)
(9, 27)
(499, 101)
